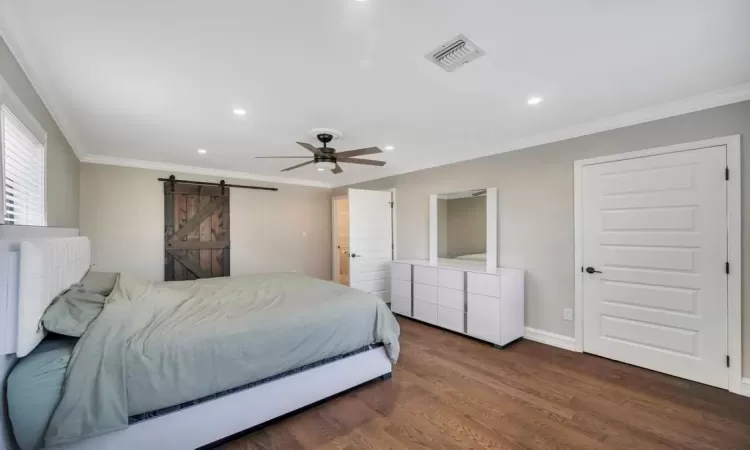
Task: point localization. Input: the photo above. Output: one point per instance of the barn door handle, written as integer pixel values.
(591, 270)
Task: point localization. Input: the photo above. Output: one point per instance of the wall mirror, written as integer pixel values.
(463, 227)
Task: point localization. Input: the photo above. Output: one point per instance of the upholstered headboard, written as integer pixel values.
(46, 268)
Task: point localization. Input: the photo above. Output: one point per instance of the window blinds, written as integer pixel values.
(23, 173)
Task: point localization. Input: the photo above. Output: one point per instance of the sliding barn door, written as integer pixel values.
(196, 231)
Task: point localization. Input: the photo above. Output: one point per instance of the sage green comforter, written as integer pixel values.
(160, 344)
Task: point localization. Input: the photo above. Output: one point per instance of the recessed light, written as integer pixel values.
(202, 151)
(320, 169)
(389, 148)
(535, 100)
(239, 112)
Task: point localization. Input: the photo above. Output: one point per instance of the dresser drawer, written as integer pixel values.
(425, 293)
(451, 298)
(453, 279)
(451, 319)
(400, 288)
(401, 305)
(426, 312)
(401, 271)
(483, 317)
(425, 275)
(482, 283)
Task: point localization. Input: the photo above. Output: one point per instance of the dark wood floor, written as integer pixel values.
(451, 392)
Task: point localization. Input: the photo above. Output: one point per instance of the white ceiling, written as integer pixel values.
(155, 80)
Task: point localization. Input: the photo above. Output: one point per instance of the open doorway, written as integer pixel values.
(341, 240)
(363, 240)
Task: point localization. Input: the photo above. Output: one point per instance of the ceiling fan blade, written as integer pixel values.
(277, 157)
(337, 169)
(298, 165)
(309, 147)
(367, 162)
(359, 152)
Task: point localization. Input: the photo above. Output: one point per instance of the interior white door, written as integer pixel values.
(370, 241)
(656, 229)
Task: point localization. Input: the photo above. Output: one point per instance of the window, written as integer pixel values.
(23, 172)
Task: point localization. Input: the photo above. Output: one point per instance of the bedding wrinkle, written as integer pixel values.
(156, 345)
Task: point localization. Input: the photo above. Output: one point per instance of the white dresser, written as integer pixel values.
(462, 297)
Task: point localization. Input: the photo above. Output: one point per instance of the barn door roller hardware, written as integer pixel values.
(221, 184)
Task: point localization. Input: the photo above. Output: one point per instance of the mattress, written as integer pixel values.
(474, 257)
(35, 386)
(155, 345)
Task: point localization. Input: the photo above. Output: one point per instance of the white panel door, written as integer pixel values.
(370, 240)
(656, 229)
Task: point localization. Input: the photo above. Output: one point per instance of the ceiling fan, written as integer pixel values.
(326, 157)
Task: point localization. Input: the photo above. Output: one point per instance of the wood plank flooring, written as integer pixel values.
(451, 392)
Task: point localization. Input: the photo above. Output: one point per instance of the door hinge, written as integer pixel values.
(726, 267)
(391, 204)
(726, 174)
(728, 360)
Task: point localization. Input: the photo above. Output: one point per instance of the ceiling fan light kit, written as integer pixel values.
(326, 158)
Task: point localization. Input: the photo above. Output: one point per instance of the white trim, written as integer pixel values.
(169, 167)
(744, 387)
(216, 419)
(713, 99)
(734, 246)
(578, 257)
(734, 236)
(545, 337)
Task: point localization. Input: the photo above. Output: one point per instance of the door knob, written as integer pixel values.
(354, 255)
(591, 270)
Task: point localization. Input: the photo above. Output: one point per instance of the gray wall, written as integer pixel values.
(122, 213)
(62, 163)
(62, 181)
(467, 226)
(535, 204)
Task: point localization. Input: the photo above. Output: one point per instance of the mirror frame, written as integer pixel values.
(491, 250)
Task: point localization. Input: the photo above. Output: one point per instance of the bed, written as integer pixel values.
(208, 357)
(473, 257)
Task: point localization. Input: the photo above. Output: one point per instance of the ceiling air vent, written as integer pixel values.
(455, 53)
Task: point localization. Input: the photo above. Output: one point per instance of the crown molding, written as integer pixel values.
(14, 40)
(722, 97)
(169, 167)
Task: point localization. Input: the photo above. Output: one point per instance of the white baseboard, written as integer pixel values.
(555, 340)
(745, 387)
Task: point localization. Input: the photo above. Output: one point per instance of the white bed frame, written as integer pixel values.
(53, 264)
